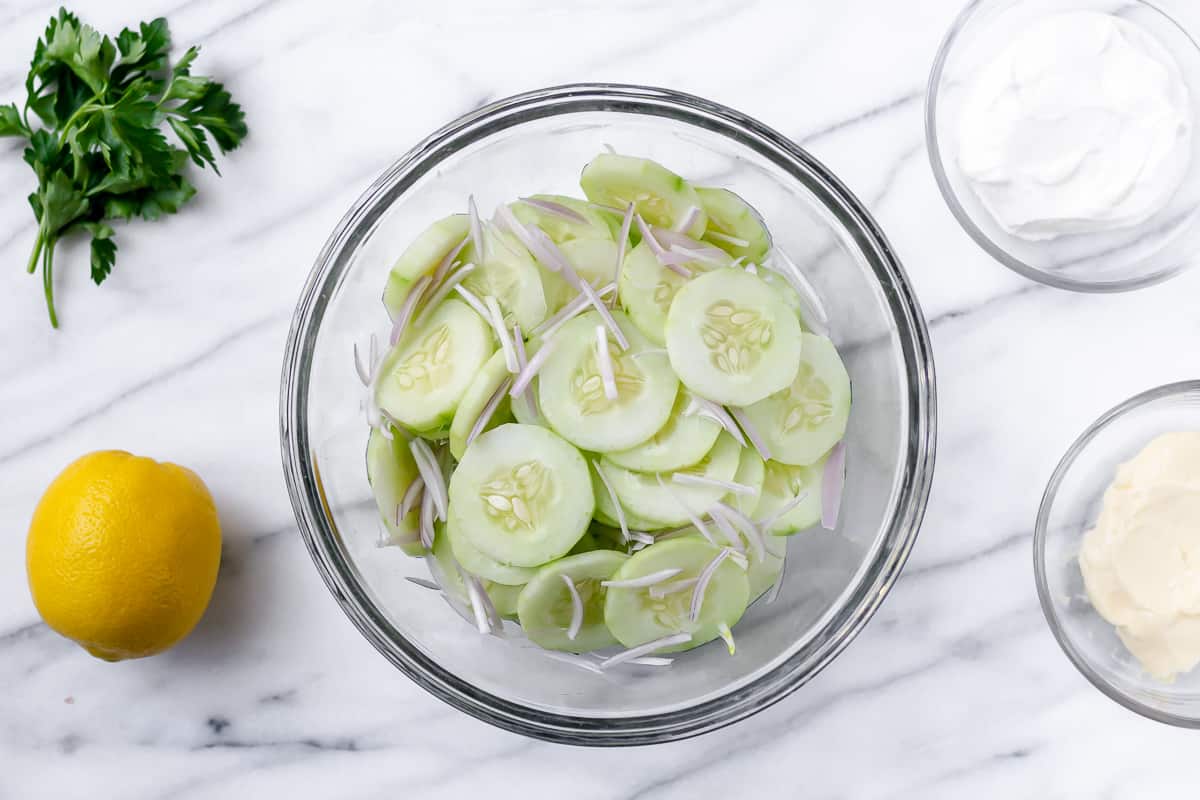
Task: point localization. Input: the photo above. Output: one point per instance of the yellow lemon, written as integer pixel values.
(122, 554)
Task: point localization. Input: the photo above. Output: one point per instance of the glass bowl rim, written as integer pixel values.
(963, 217)
(310, 506)
(1115, 413)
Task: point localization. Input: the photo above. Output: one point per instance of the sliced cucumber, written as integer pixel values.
(390, 471)
(522, 494)
(750, 472)
(606, 512)
(428, 249)
(571, 391)
(595, 260)
(731, 339)
(667, 503)
(510, 275)
(423, 378)
(480, 563)
(479, 392)
(660, 196)
(782, 484)
(682, 442)
(559, 228)
(635, 616)
(545, 605)
(731, 216)
(808, 417)
(646, 289)
(504, 598)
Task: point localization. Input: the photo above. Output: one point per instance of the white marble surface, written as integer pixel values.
(955, 689)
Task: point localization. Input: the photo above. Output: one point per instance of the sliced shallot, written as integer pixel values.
(688, 479)
(557, 209)
(409, 501)
(525, 376)
(435, 482)
(703, 580)
(644, 581)
(604, 360)
(407, 308)
(576, 608)
(489, 409)
(831, 486)
(646, 649)
(496, 318)
(758, 442)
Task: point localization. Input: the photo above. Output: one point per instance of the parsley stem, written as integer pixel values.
(87, 107)
(48, 281)
(37, 251)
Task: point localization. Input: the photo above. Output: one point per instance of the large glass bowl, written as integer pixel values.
(538, 142)
(1069, 510)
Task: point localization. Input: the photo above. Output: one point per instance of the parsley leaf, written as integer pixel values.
(101, 153)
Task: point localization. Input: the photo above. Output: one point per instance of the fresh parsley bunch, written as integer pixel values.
(101, 153)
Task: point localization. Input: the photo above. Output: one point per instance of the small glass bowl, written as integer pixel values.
(835, 579)
(1114, 261)
(1069, 509)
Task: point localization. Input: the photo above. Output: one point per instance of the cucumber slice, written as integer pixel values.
(751, 471)
(606, 512)
(504, 598)
(479, 392)
(522, 494)
(545, 605)
(394, 292)
(731, 339)
(730, 215)
(635, 617)
(646, 289)
(425, 375)
(782, 484)
(645, 499)
(571, 392)
(558, 228)
(808, 417)
(659, 195)
(595, 260)
(480, 563)
(510, 275)
(682, 442)
(390, 471)
(431, 246)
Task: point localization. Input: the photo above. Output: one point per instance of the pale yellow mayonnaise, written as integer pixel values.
(1141, 563)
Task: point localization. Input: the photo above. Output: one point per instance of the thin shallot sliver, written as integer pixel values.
(687, 479)
(472, 300)
(726, 634)
(778, 579)
(641, 537)
(363, 374)
(569, 312)
(758, 442)
(649, 238)
(813, 311)
(604, 360)
(496, 318)
(557, 209)
(746, 525)
(523, 234)
(765, 524)
(489, 409)
(609, 321)
(427, 466)
(409, 501)
(697, 523)
(476, 228)
(576, 608)
(688, 219)
(831, 486)
(626, 535)
(623, 239)
(644, 581)
(752, 268)
(726, 238)
(646, 649)
(730, 532)
(440, 294)
(450, 259)
(424, 584)
(481, 604)
(651, 661)
(525, 376)
(673, 587)
(703, 256)
(527, 397)
(408, 308)
(573, 660)
(426, 522)
(702, 582)
(717, 414)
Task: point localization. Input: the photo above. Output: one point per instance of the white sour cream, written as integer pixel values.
(1082, 124)
(1141, 563)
